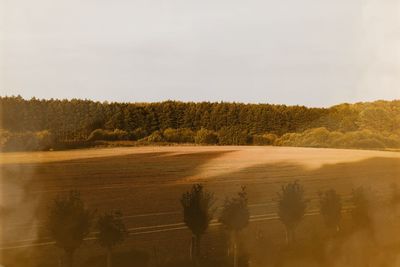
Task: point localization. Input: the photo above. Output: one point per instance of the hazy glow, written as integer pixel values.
(296, 52)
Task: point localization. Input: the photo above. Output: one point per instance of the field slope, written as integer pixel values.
(146, 184)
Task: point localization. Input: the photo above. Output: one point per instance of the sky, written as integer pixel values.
(308, 52)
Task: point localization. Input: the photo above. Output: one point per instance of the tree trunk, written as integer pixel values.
(287, 235)
(192, 251)
(230, 245)
(198, 238)
(293, 235)
(69, 258)
(235, 256)
(109, 257)
(290, 235)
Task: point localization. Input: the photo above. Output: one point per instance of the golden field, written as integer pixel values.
(146, 183)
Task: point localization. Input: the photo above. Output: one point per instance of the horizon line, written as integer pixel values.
(190, 101)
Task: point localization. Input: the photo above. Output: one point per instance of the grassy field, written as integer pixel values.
(146, 183)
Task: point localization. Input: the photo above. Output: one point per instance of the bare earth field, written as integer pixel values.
(146, 184)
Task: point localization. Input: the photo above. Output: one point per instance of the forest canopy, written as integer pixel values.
(57, 124)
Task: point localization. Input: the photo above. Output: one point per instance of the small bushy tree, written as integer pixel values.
(264, 139)
(235, 216)
(331, 208)
(107, 135)
(155, 137)
(361, 208)
(291, 208)
(197, 213)
(137, 134)
(26, 141)
(111, 232)
(182, 135)
(204, 136)
(69, 223)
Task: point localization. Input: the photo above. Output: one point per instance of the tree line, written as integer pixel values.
(70, 221)
(58, 124)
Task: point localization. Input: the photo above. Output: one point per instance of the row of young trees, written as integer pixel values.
(69, 221)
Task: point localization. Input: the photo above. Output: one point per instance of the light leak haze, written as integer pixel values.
(309, 52)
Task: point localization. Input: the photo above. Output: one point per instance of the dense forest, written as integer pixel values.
(56, 124)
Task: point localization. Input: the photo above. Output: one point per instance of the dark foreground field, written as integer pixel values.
(147, 183)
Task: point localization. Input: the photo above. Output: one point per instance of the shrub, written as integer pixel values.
(155, 137)
(182, 135)
(72, 144)
(233, 136)
(321, 137)
(204, 136)
(264, 139)
(4, 135)
(106, 135)
(27, 141)
(137, 134)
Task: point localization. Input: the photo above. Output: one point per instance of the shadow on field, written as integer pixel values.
(118, 182)
(264, 241)
(264, 180)
(138, 184)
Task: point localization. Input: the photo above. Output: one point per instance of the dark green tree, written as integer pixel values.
(361, 208)
(331, 208)
(69, 223)
(197, 213)
(291, 208)
(235, 217)
(111, 232)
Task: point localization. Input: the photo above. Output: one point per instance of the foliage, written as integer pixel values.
(206, 137)
(197, 214)
(233, 136)
(291, 207)
(378, 119)
(361, 207)
(111, 232)
(69, 223)
(106, 135)
(322, 137)
(155, 137)
(235, 212)
(264, 139)
(111, 229)
(235, 216)
(197, 208)
(137, 134)
(374, 125)
(183, 135)
(331, 208)
(26, 141)
(75, 119)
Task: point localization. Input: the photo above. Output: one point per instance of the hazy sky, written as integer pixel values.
(311, 52)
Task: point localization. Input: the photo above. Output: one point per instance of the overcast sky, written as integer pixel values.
(308, 52)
